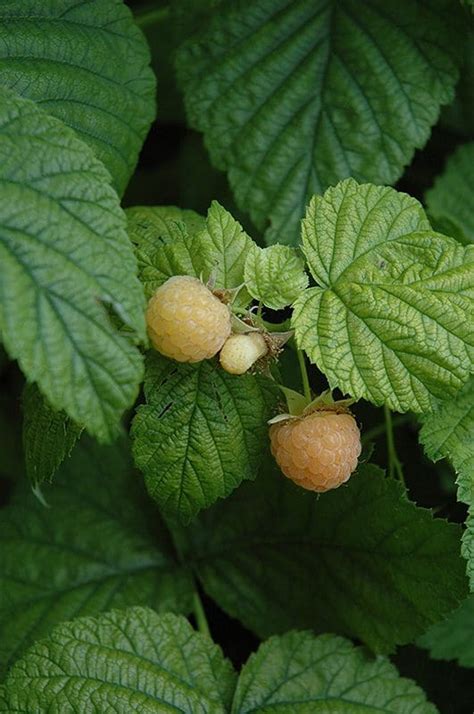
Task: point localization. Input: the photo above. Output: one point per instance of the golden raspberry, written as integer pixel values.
(240, 352)
(319, 451)
(186, 321)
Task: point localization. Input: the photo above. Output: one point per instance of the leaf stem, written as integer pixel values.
(200, 615)
(376, 431)
(304, 375)
(148, 17)
(394, 465)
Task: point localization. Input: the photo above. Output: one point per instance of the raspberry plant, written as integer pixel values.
(236, 241)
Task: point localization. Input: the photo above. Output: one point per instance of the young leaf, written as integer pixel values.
(152, 226)
(293, 96)
(227, 244)
(391, 320)
(449, 202)
(275, 275)
(49, 436)
(200, 433)
(453, 638)
(302, 673)
(87, 64)
(122, 662)
(99, 544)
(64, 260)
(449, 433)
(166, 244)
(361, 560)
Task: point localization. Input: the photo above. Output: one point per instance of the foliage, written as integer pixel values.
(361, 293)
(135, 660)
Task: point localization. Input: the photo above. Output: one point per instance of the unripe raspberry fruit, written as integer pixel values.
(318, 451)
(240, 352)
(186, 321)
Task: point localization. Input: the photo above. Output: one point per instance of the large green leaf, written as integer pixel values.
(87, 64)
(48, 436)
(361, 561)
(294, 95)
(302, 674)
(65, 259)
(122, 662)
(453, 638)
(449, 202)
(200, 433)
(391, 320)
(98, 545)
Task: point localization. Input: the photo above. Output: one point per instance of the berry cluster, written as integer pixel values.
(188, 323)
(317, 449)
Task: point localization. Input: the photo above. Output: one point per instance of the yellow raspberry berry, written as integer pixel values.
(185, 321)
(240, 352)
(318, 451)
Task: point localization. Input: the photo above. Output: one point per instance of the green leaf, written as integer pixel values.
(49, 436)
(227, 245)
(122, 662)
(99, 544)
(200, 433)
(171, 241)
(467, 548)
(152, 226)
(361, 561)
(166, 244)
(390, 321)
(302, 674)
(65, 260)
(449, 202)
(294, 95)
(453, 638)
(449, 433)
(87, 64)
(275, 275)
(457, 116)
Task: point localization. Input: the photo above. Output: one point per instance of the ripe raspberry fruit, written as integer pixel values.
(240, 352)
(186, 321)
(318, 451)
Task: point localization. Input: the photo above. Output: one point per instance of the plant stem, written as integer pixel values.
(376, 431)
(148, 17)
(394, 465)
(200, 615)
(304, 375)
